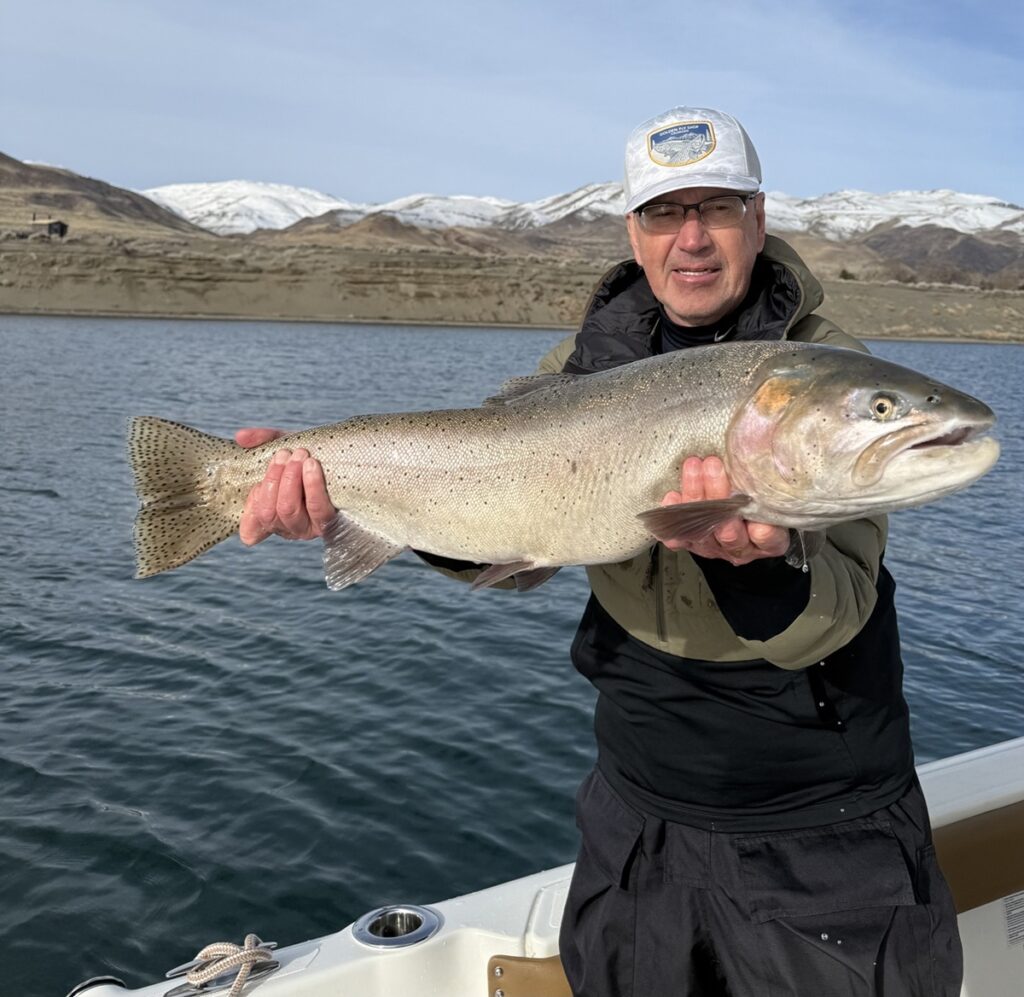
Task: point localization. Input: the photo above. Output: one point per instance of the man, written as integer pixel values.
(753, 824)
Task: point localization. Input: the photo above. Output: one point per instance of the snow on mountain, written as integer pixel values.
(438, 211)
(589, 202)
(241, 206)
(847, 213)
(445, 211)
(235, 207)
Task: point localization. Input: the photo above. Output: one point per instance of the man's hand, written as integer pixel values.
(291, 500)
(737, 540)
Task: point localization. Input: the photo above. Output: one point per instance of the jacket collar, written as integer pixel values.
(622, 314)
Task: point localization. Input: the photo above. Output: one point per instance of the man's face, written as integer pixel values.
(700, 274)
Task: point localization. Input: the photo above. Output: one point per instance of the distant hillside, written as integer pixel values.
(883, 258)
(241, 206)
(237, 207)
(602, 238)
(909, 236)
(88, 205)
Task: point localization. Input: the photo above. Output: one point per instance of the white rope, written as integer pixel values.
(223, 956)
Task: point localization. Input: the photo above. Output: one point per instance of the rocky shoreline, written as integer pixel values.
(220, 278)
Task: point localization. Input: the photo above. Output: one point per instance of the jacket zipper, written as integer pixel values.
(828, 714)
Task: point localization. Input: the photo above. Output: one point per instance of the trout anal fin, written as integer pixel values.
(526, 580)
(351, 552)
(495, 573)
(526, 575)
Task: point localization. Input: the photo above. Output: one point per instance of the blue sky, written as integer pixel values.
(373, 100)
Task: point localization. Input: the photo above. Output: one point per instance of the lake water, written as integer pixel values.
(231, 747)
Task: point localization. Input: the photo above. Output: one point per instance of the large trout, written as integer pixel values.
(566, 469)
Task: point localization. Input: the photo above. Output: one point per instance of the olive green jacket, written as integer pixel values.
(675, 610)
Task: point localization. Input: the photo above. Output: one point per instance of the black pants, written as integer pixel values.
(658, 909)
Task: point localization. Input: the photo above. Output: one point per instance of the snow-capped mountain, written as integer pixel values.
(243, 206)
(439, 211)
(586, 203)
(236, 207)
(240, 206)
(848, 213)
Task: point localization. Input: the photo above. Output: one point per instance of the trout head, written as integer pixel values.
(831, 434)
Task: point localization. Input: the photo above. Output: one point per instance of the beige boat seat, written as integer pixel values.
(518, 976)
(982, 857)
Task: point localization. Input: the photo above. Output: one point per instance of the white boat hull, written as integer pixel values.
(977, 806)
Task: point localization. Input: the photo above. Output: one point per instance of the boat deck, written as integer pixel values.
(503, 941)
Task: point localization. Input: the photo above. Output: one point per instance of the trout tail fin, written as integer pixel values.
(182, 512)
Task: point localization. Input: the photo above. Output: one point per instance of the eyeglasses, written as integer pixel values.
(667, 217)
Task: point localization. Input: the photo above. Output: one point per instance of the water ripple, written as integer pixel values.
(232, 747)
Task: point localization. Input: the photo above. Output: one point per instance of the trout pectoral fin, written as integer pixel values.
(351, 552)
(691, 520)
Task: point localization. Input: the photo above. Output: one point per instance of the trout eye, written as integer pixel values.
(883, 407)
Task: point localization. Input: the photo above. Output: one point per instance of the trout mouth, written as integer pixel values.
(927, 438)
(950, 439)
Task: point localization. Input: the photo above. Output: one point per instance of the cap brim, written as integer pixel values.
(747, 185)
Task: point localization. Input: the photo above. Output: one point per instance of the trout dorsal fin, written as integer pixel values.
(519, 387)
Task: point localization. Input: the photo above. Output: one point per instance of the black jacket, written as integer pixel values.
(691, 724)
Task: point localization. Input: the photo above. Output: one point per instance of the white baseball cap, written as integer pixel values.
(688, 147)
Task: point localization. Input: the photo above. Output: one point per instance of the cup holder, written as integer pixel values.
(396, 926)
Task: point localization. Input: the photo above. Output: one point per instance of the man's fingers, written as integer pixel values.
(250, 529)
(254, 436)
(291, 500)
(732, 535)
(291, 496)
(259, 515)
(773, 540)
(265, 505)
(716, 481)
(735, 540)
(691, 480)
(318, 503)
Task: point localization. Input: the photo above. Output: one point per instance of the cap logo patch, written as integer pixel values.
(682, 143)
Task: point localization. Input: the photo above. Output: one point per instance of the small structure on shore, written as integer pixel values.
(50, 227)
